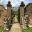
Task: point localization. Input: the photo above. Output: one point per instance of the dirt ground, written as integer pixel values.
(16, 28)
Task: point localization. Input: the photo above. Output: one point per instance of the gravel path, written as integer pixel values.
(16, 28)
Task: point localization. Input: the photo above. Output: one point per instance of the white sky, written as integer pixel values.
(15, 2)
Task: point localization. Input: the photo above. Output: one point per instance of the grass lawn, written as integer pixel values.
(27, 30)
(1, 29)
